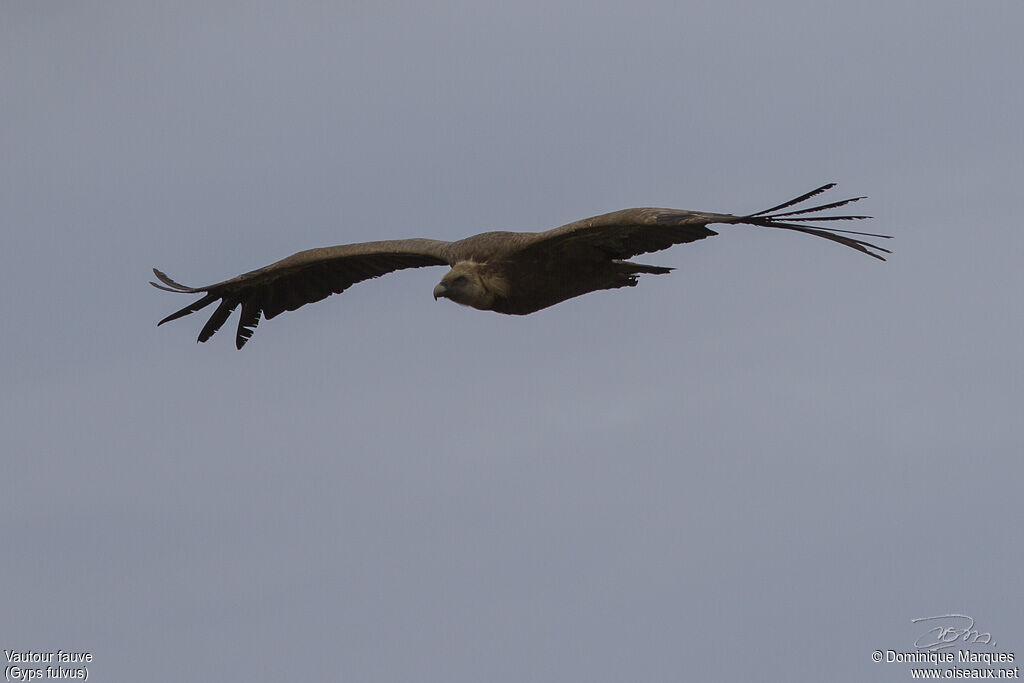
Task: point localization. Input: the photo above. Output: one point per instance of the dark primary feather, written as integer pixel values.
(219, 317)
(172, 286)
(801, 198)
(859, 245)
(821, 207)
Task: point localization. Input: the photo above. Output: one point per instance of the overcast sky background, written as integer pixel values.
(761, 466)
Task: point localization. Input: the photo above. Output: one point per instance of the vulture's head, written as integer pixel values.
(467, 284)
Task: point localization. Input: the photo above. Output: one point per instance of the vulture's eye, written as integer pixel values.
(460, 280)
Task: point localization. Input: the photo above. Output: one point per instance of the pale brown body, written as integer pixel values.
(508, 272)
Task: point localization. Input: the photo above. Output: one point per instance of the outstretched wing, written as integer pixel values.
(627, 233)
(301, 279)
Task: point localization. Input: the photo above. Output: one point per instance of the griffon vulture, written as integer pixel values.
(507, 272)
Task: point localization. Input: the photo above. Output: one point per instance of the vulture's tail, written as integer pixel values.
(778, 217)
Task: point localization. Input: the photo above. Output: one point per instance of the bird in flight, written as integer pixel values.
(507, 272)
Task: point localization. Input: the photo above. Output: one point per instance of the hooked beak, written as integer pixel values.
(440, 290)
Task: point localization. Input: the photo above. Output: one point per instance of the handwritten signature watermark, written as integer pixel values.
(952, 647)
(948, 631)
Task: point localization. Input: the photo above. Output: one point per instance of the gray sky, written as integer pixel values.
(762, 466)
